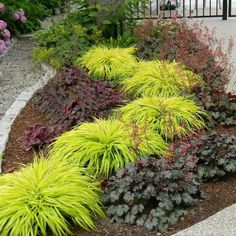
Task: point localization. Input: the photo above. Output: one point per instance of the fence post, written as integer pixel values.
(225, 10)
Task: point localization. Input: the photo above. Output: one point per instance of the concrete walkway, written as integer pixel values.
(225, 30)
(222, 223)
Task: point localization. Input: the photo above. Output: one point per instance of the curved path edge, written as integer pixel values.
(223, 223)
(10, 115)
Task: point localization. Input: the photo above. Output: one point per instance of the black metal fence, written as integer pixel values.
(189, 8)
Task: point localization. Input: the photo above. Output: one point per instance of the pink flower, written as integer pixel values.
(23, 19)
(2, 7)
(21, 12)
(6, 34)
(3, 25)
(3, 46)
(16, 16)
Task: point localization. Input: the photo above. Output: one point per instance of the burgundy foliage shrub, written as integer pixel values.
(72, 97)
(200, 51)
(39, 135)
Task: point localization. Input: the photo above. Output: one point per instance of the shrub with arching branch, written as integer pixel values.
(170, 117)
(201, 52)
(106, 145)
(44, 196)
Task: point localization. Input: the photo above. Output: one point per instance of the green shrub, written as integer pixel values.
(170, 117)
(64, 42)
(102, 61)
(151, 193)
(106, 145)
(34, 12)
(44, 196)
(160, 78)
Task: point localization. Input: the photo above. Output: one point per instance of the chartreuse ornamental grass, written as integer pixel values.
(170, 117)
(102, 61)
(106, 145)
(45, 196)
(159, 78)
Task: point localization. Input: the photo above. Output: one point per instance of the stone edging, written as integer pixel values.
(10, 115)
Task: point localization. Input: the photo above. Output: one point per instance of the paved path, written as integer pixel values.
(222, 223)
(17, 72)
(225, 30)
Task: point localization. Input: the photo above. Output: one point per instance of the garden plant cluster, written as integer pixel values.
(131, 116)
(20, 16)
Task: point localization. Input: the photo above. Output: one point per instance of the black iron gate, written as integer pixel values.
(232, 8)
(190, 8)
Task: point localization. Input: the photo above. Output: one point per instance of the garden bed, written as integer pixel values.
(136, 124)
(220, 193)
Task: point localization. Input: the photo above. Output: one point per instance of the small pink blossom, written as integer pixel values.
(23, 19)
(2, 7)
(3, 25)
(6, 34)
(16, 16)
(21, 12)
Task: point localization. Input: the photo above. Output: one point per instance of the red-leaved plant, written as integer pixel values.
(200, 51)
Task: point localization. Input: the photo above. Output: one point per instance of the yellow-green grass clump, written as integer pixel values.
(160, 78)
(102, 61)
(43, 197)
(106, 145)
(170, 117)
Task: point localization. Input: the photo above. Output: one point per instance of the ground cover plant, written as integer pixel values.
(214, 154)
(38, 135)
(170, 117)
(105, 146)
(42, 197)
(151, 193)
(62, 43)
(201, 52)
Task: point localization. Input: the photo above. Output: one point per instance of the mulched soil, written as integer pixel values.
(220, 193)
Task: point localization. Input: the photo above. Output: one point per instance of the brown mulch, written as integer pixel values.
(220, 193)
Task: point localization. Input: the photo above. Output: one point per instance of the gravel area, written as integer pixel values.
(17, 72)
